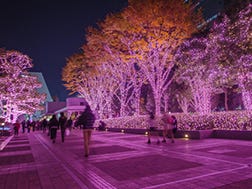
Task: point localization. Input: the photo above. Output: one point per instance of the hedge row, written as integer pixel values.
(229, 120)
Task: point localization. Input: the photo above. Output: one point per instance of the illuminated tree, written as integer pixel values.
(124, 69)
(23, 97)
(145, 34)
(197, 71)
(184, 97)
(151, 31)
(19, 95)
(242, 33)
(245, 80)
(106, 70)
(225, 51)
(224, 59)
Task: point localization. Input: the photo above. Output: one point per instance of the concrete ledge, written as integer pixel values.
(228, 134)
(134, 131)
(197, 134)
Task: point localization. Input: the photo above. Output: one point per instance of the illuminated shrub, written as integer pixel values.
(231, 120)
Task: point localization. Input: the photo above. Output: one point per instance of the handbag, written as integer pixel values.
(67, 132)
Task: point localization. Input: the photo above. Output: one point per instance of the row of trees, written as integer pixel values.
(157, 43)
(18, 87)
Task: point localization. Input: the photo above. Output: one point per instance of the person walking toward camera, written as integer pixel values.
(53, 126)
(86, 121)
(62, 125)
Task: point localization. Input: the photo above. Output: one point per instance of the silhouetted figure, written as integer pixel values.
(53, 126)
(23, 123)
(167, 127)
(102, 126)
(152, 128)
(16, 128)
(86, 121)
(175, 124)
(69, 123)
(44, 125)
(62, 125)
(28, 125)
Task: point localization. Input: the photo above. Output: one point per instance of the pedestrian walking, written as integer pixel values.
(152, 130)
(44, 125)
(62, 125)
(23, 123)
(53, 126)
(69, 124)
(28, 125)
(86, 121)
(16, 128)
(167, 127)
(175, 124)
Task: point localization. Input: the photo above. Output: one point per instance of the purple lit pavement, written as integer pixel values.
(124, 161)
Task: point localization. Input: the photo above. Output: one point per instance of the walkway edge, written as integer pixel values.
(4, 143)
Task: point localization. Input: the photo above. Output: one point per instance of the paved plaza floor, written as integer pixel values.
(124, 161)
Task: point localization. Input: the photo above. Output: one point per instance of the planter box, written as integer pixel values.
(229, 134)
(197, 134)
(134, 131)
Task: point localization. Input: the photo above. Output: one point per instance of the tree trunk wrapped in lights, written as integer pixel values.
(195, 71)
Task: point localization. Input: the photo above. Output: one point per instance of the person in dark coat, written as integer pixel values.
(62, 125)
(44, 125)
(86, 121)
(16, 128)
(53, 126)
(23, 123)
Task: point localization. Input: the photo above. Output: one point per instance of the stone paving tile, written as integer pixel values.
(16, 159)
(231, 150)
(246, 184)
(102, 150)
(18, 143)
(18, 148)
(134, 168)
(25, 179)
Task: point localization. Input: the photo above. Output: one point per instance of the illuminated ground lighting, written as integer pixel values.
(146, 133)
(186, 136)
(122, 131)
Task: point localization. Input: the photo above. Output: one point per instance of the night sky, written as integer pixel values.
(49, 32)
